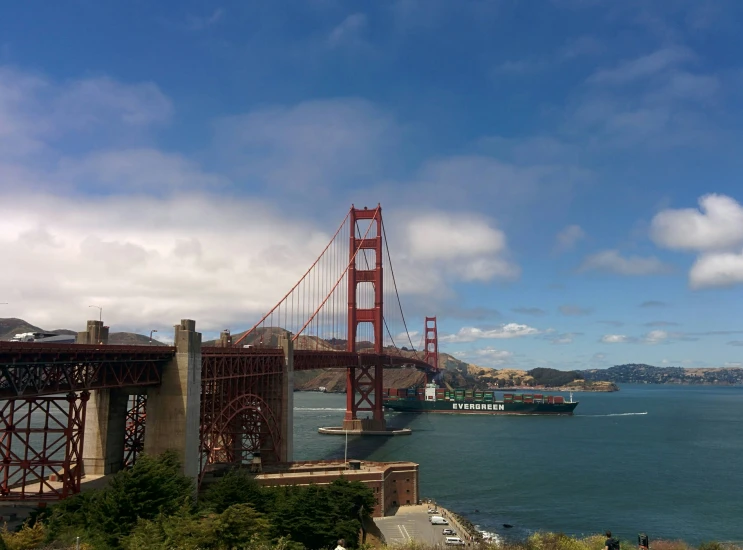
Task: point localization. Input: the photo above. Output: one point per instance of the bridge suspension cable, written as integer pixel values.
(316, 309)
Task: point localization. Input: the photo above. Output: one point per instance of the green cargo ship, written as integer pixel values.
(438, 400)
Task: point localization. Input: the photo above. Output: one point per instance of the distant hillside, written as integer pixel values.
(635, 373)
(131, 339)
(12, 326)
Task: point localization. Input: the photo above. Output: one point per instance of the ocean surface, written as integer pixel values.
(665, 460)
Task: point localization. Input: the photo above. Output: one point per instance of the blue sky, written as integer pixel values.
(577, 160)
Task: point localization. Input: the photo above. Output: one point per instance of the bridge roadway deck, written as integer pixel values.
(36, 369)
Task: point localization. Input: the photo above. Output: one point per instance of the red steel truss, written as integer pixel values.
(33, 369)
(241, 405)
(41, 447)
(431, 343)
(364, 382)
(135, 428)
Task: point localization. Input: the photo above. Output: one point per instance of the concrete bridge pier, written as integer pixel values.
(105, 424)
(95, 333)
(286, 451)
(174, 408)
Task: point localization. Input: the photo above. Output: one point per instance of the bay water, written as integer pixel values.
(665, 460)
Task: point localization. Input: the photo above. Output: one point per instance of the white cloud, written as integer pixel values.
(138, 170)
(718, 226)
(471, 334)
(436, 247)
(656, 336)
(36, 111)
(348, 30)
(95, 101)
(718, 269)
(643, 67)
(566, 338)
(617, 339)
(715, 230)
(611, 261)
(309, 148)
(150, 260)
(493, 357)
(664, 106)
(568, 238)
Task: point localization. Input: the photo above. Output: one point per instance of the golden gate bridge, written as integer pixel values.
(87, 409)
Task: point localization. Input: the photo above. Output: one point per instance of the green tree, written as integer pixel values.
(153, 486)
(237, 527)
(235, 487)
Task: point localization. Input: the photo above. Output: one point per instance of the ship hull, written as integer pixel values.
(474, 407)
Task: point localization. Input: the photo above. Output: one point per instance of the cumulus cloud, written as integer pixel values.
(716, 225)
(715, 231)
(472, 334)
(148, 260)
(568, 238)
(617, 339)
(611, 261)
(656, 336)
(719, 269)
(460, 245)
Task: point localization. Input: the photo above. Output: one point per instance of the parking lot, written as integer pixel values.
(412, 523)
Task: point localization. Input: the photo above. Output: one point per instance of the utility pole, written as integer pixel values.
(100, 312)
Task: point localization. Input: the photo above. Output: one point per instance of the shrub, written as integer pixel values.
(27, 538)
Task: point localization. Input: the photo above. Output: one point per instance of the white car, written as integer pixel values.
(454, 541)
(449, 532)
(433, 511)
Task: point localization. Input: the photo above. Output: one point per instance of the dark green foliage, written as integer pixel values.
(315, 516)
(152, 487)
(236, 487)
(554, 378)
(238, 526)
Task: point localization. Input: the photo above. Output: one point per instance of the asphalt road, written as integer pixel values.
(412, 523)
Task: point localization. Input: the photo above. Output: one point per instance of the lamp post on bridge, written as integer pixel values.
(100, 313)
(153, 330)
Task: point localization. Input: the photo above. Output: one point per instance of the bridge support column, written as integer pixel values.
(105, 426)
(174, 408)
(286, 452)
(95, 333)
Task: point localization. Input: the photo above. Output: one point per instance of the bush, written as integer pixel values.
(154, 486)
(237, 527)
(27, 538)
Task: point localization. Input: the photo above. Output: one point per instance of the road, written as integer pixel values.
(411, 523)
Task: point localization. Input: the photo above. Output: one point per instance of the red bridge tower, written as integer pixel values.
(364, 382)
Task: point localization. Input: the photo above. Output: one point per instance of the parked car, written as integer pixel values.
(433, 511)
(454, 541)
(448, 532)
